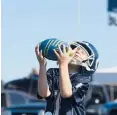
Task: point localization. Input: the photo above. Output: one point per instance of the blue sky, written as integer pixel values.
(27, 22)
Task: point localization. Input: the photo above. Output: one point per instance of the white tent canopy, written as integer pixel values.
(107, 70)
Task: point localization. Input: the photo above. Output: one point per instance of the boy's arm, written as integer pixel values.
(78, 89)
(64, 81)
(43, 87)
(64, 57)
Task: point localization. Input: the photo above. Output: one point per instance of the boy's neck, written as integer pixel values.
(72, 69)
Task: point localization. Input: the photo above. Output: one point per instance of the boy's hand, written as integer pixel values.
(40, 58)
(64, 57)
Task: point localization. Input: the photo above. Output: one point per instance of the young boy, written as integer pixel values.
(65, 87)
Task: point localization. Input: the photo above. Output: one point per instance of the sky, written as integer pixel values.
(25, 23)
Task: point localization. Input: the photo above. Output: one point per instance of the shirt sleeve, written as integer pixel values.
(49, 80)
(80, 88)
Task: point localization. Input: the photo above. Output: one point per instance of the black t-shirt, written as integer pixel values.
(73, 105)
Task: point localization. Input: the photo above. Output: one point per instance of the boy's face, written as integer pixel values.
(80, 55)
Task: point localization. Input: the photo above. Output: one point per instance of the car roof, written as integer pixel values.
(29, 105)
(97, 83)
(12, 90)
(17, 92)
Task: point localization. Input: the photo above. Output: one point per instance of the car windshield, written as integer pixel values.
(96, 95)
(17, 98)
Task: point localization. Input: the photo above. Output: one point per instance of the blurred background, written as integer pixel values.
(25, 23)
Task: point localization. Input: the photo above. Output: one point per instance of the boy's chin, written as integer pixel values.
(74, 62)
(73, 65)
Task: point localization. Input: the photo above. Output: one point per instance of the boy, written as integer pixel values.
(65, 87)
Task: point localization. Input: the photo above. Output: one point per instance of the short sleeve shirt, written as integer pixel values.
(73, 105)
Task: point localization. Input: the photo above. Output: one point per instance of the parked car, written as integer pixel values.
(14, 97)
(36, 108)
(25, 84)
(96, 97)
(109, 108)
